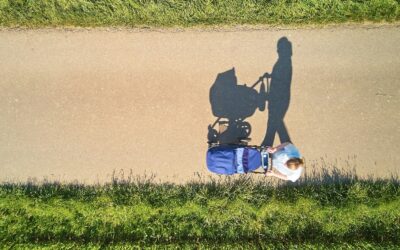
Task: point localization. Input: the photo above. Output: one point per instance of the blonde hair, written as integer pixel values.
(295, 163)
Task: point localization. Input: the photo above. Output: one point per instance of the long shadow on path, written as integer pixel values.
(279, 94)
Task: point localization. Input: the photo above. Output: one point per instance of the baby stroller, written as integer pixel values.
(237, 159)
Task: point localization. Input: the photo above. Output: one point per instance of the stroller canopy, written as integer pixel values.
(230, 160)
(230, 100)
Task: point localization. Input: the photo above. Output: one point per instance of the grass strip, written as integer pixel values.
(216, 211)
(186, 13)
(222, 246)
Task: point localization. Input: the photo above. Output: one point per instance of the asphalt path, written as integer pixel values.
(80, 104)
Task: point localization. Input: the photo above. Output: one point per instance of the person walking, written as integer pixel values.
(287, 163)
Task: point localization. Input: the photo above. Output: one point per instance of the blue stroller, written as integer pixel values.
(237, 159)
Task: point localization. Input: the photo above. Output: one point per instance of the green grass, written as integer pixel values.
(336, 214)
(186, 13)
(237, 245)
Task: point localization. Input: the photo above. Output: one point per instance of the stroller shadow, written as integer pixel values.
(232, 103)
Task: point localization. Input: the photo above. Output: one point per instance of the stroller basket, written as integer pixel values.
(236, 159)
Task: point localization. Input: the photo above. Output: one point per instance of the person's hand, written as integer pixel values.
(269, 173)
(267, 75)
(271, 150)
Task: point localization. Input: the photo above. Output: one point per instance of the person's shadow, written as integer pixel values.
(279, 94)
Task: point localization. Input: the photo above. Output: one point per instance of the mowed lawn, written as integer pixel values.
(216, 213)
(186, 13)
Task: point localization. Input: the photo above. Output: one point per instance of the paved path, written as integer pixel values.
(80, 104)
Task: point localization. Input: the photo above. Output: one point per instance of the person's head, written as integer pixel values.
(284, 47)
(294, 163)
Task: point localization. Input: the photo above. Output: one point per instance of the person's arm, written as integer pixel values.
(282, 145)
(272, 150)
(276, 174)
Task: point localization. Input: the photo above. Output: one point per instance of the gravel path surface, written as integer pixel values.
(77, 105)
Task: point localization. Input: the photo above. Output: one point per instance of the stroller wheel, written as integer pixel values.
(245, 129)
(212, 135)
